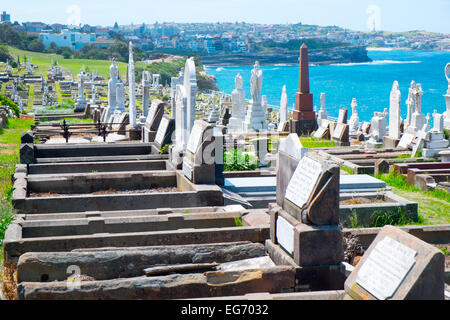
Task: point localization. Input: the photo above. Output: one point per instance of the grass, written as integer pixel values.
(9, 157)
(434, 205)
(236, 160)
(30, 96)
(68, 121)
(43, 61)
(311, 142)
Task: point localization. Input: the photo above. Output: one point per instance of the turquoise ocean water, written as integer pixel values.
(369, 83)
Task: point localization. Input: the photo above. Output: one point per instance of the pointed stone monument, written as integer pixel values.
(304, 118)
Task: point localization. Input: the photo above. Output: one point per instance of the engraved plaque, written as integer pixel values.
(194, 139)
(187, 170)
(303, 181)
(385, 268)
(151, 114)
(285, 234)
(161, 130)
(338, 131)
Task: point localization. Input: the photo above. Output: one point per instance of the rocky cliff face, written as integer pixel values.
(352, 54)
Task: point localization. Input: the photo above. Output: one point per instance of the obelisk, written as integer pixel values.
(304, 117)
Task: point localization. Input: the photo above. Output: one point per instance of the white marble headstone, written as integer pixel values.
(303, 181)
(386, 267)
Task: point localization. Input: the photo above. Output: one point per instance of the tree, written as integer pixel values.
(36, 45)
(4, 54)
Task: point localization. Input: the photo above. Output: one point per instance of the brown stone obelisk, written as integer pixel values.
(304, 117)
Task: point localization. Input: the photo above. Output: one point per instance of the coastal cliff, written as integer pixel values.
(347, 54)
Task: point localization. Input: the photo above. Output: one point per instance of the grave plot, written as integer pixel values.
(169, 272)
(94, 152)
(364, 208)
(111, 191)
(362, 161)
(65, 232)
(304, 231)
(426, 176)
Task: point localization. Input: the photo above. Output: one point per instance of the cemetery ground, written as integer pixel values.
(43, 61)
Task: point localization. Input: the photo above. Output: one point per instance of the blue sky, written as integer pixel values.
(389, 15)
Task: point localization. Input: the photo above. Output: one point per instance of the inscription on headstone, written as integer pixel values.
(194, 139)
(303, 181)
(285, 234)
(386, 267)
(162, 130)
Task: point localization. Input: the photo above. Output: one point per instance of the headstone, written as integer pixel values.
(163, 136)
(81, 103)
(199, 159)
(283, 106)
(447, 98)
(145, 92)
(153, 120)
(341, 132)
(305, 222)
(322, 114)
(290, 152)
(418, 119)
(394, 112)
(131, 88)
(398, 266)
(112, 85)
(354, 119)
(238, 105)
(436, 142)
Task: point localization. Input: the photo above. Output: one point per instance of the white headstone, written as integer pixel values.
(394, 112)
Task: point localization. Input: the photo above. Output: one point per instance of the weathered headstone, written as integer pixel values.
(397, 266)
(305, 221)
(163, 136)
(199, 159)
(153, 120)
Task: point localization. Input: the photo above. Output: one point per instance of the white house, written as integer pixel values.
(72, 39)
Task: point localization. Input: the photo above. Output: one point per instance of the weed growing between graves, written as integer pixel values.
(445, 251)
(348, 170)
(238, 222)
(236, 160)
(393, 218)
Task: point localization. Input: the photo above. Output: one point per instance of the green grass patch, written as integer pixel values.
(445, 251)
(434, 205)
(238, 222)
(236, 160)
(311, 142)
(9, 157)
(347, 169)
(43, 61)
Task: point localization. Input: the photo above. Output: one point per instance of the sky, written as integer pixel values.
(362, 15)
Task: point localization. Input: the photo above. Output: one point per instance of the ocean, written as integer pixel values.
(370, 83)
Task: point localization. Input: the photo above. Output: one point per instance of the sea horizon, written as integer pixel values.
(369, 82)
